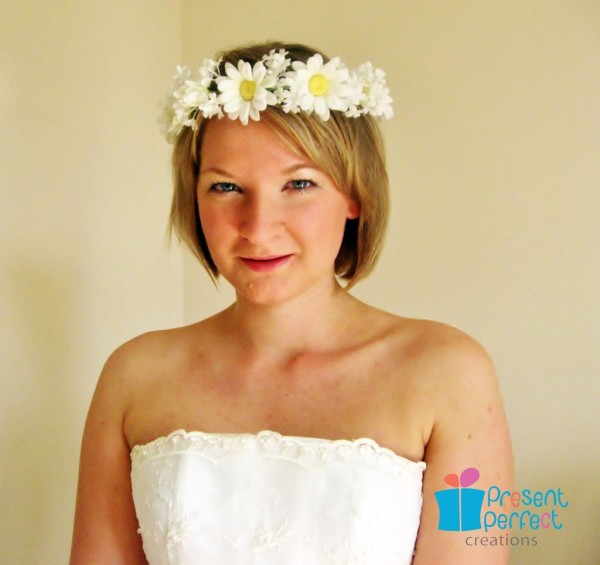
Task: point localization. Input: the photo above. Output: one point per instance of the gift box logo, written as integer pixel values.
(460, 506)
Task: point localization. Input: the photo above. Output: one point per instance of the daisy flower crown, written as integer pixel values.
(243, 92)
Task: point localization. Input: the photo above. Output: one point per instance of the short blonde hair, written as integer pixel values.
(349, 150)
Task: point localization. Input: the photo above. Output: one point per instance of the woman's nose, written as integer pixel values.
(260, 218)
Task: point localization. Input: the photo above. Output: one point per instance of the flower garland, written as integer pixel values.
(246, 90)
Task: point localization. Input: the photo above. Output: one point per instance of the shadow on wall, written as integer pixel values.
(39, 409)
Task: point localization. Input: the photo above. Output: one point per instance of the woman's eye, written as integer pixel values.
(300, 184)
(224, 187)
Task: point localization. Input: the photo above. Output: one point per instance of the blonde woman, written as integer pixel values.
(299, 425)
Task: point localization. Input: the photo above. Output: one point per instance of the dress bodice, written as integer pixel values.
(266, 499)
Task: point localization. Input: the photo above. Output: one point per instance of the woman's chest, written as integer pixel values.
(311, 396)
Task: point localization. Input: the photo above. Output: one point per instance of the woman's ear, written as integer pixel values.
(353, 210)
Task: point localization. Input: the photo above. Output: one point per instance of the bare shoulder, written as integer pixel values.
(105, 529)
(146, 350)
(460, 377)
(139, 361)
(437, 353)
(452, 370)
(450, 354)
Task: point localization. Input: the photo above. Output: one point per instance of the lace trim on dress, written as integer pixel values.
(309, 452)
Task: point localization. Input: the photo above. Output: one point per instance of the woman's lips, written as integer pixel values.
(264, 264)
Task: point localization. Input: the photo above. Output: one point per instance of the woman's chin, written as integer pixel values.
(265, 293)
(272, 291)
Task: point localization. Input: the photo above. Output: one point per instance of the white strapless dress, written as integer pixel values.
(266, 499)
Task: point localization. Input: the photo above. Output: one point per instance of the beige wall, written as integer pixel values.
(495, 169)
(83, 263)
(493, 161)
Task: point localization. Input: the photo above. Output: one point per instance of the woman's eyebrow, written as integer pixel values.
(302, 165)
(215, 170)
(287, 171)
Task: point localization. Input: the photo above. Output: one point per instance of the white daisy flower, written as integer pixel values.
(320, 86)
(244, 91)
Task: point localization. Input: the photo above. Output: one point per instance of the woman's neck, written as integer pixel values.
(314, 321)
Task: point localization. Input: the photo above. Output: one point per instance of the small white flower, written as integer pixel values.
(190, 97)
(211, 106)
(318, 86)
(209, 71)
(192, 94)
(276, 62)
(244, 91)
(355, 108)
(289, 92)
(171, 123)
(354, 111)
(374, 94)
(195, 94)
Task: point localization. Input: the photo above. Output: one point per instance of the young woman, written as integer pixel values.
(296, 425)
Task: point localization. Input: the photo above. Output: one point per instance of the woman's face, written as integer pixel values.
(272, 220)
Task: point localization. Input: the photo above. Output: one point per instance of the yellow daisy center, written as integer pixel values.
(318, 85)
(247, 89)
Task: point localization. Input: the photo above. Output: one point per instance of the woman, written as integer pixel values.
(244, 430)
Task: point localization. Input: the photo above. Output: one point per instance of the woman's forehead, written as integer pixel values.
(228, 142)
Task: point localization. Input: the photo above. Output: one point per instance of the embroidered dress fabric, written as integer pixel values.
(268, 499)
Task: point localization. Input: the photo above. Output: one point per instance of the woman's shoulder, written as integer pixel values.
(146, 348)
(451, 367)
(147, 354)
(136, 367)
(443, 340)
(435, 350)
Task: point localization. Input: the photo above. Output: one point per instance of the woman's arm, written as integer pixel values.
(469, 430)
(105, 530)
